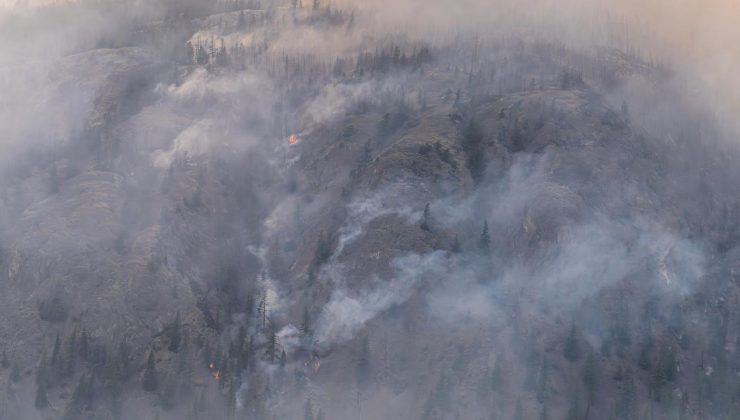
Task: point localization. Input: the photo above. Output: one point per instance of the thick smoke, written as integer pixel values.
(240, 177)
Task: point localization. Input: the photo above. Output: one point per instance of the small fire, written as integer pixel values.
(217, 375)
(293, 140)
(212, 366)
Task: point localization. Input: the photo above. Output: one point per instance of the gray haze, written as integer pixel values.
(381, 209)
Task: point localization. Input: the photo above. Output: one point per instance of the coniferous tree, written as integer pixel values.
(519, 411)
(55, 352)
(262, 310)
(82, 398)
(473, 147)
(455, 248)
(363, 362)
(5, 362)
(168, 395)
(149, 381)
(241, 22)
(175, 334)
(231, 400)
(15, 373)
(590, 380)
(545, 412)
(70, 356)
(643, 359)
(323, 249)
(543, 380)
(424, 224)
(574, 408)
(308, 410)
(484, 243)
(42, 377)
(123, 362)
(626, 406)
(83, 348)
(572, 350)
(498, 375)
(239, 347)
(306, 322)
(272, 345)
(187, 53)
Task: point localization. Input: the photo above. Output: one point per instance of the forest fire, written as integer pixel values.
(216, 373)
(294, 139)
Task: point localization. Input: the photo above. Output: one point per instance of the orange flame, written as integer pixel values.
(217, 375)
(293, 140)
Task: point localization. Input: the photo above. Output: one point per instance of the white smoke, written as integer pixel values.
(348, 311)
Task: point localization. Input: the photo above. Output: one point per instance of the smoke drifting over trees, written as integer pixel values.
(263, 209)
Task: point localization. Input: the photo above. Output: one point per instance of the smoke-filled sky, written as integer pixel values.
(701, 35)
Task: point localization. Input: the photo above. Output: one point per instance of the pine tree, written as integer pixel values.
(70, 356)
(519, 411)
(187, 53)
(424, 224)
(498, 375)
(262, 310)
(363, 362)
(231, 400)
(308, 410)
(574, 407)
(15, 373)
(626, 406)
(323, 249)
(149, 381)
(545, 413)
(473, 138)
(42, 377)
(590, 382)
(241, 22)
(55, 351)
(455, 248)
(306, 322)
(83, 349)
(123, 370)
(222, 56)
(542, 381)
(81, 398)
(484, 243)
(5, 362)
(168, 396)
(175, 334)
(572, 350)
(272, 345)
